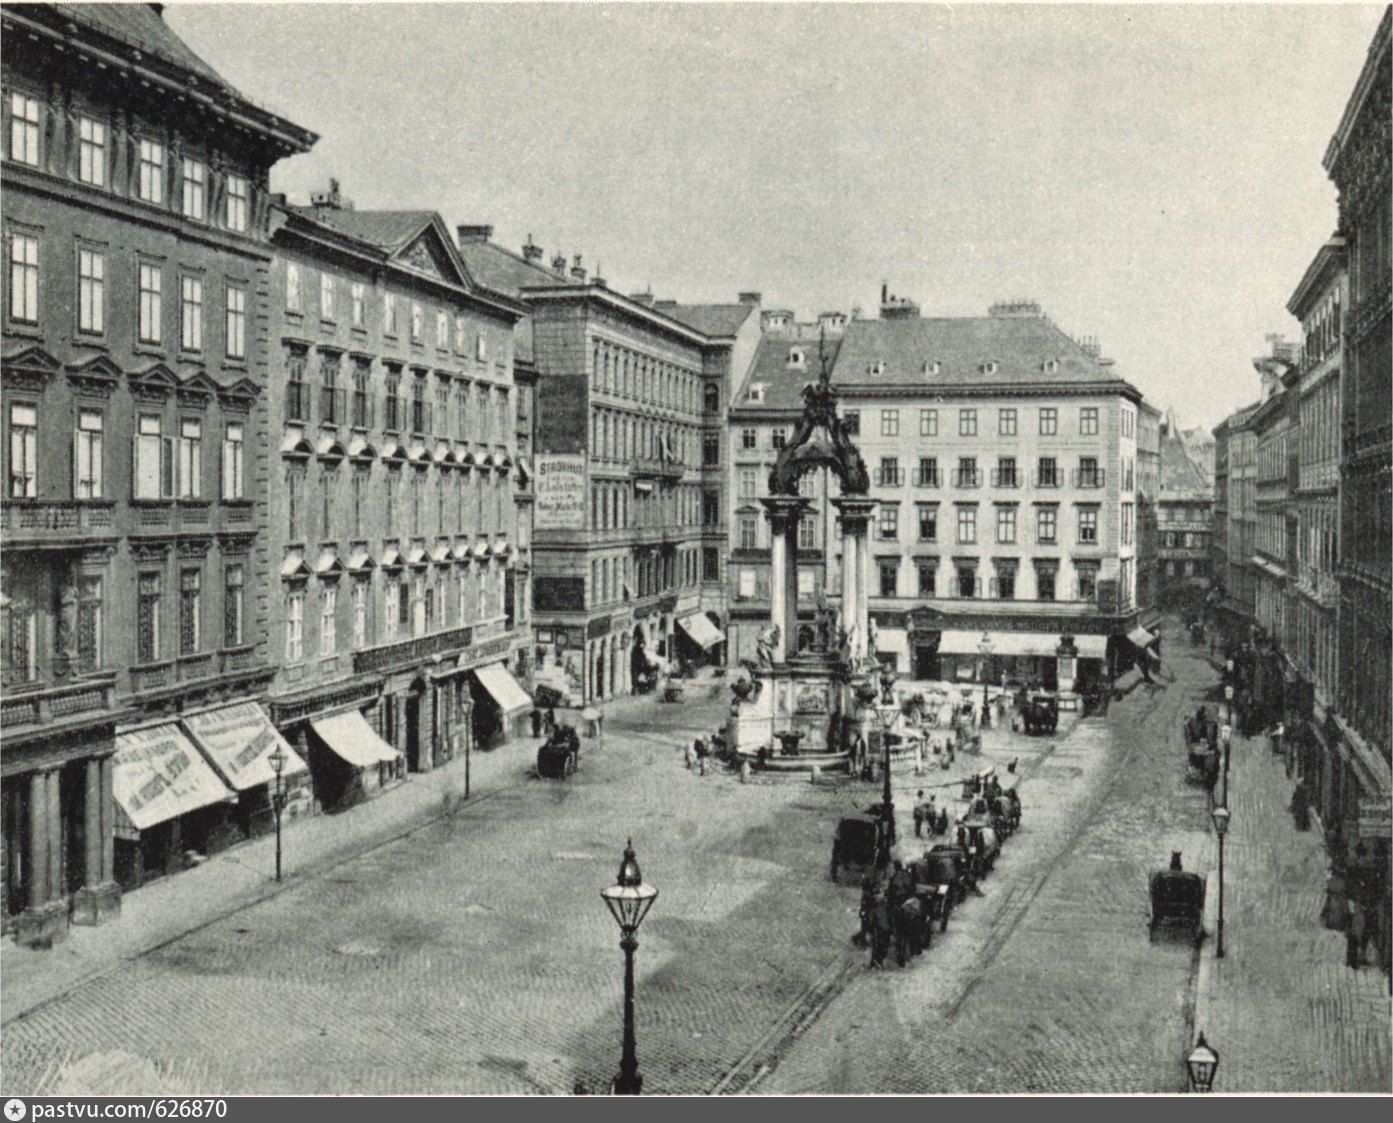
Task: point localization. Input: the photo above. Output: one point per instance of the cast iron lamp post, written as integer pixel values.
(986, 648)
(277, 762)
(1203, 1063)
(629, 900)
(1221, 826)
(869, 697)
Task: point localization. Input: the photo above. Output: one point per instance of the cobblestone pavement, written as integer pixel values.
(1284, 1011)
(1049, 983)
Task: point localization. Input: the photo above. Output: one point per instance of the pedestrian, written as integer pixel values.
(880, 930)
(1278, 733)
(901, 885)
(1300, 806)
(1355, 935)
(867, 911)
(919, 814)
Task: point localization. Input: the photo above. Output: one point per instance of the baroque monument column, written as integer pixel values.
(785, 513)
(855, 512)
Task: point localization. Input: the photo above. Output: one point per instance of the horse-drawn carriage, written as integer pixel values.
(1177, 901)
(1039, 714)
(559, 755)
(939, 884)
(982, 844)
(858, 843)
(1202, 749)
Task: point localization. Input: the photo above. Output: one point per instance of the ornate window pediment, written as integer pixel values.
(154, 383)
(98, 375)
(30, 368)
(240, 394)
(197, 389)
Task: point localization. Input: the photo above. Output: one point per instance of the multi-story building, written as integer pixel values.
(135, 404)
(630, 470)
(1003, 459)
(1233, 527)
(1184, 511)
(1357, 160)
(398, 617)
(1148, 492)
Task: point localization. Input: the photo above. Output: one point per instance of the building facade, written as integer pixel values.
(1148, 493)
(1184, 512)
(134, 398)
(1275, 450)
(1233, 527)
(394, 532)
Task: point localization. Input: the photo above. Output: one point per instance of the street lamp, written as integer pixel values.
(629, 900)
(1203, 1063)
(1221, 826)
(986, 648)
(277, 763)
(869, 696)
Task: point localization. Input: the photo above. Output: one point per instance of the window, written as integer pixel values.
(417, 323)
(747, 438)
(24, 129)
(292, 287)
(87, 457)
(928, 572)
(927, 475)
(147, 639)
(1044, 581)
(190, 610)
(238, 203)
(778, 436)
(928, 524)
(748, 483)
(360, 612)
(1006, 580)
(1046, 525)
(295, 626)
(236, 322)
(1006, 422)
(150, 184)
(1006, 526)
(394, 606)
(889, 423)
(967, 422)
(91, 151)
(362, 376)
(1088, 421)
(195, 190)
(389, 313)
(967, 473)
(191, 314)
(1088, 524)
(24, 278)
(889, 576)
(359, 300)
(749, 530)
(1090, 475)
(1088, 580)
(233, 461)
(1049, 421)
(442, 330)
(89, 623)
(745, 588)
(233, 594)
(1006, 472)
(328, 621)
(151, 282)
(460, 334)
(967, 525)
(807, 533)
(326, 297)
(481, 348)
(928, 422)
(710, 564)
(190, 458)
(154, 459)
(91, 291)
(851, 422)
(889, 474)
(1048, 475)
(889, 525)
(1127, 513)
(967, 580)
(24, 443)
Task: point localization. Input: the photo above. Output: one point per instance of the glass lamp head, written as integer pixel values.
(277, 760)
(1202, 1062)
(629, 899)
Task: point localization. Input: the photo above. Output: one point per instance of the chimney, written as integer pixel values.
(330, 200)
(899, 308)
(1089, 346)
(645, 297)
(558, 265)
(158, 9)
(577, 271)
(664, 304)
(531, 251)
(751, 298)
(884, 293)
(473, 234)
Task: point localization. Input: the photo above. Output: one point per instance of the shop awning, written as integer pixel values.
(237, 739)
(1139, 637)
(960, 642)
(1092, 647)
(353, 739)
(502, 687)
(704, 633)
(159, 776)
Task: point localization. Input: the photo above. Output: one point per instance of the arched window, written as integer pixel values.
(712, 397)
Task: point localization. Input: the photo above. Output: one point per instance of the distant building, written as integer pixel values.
(1233, 526)
(134, 390)
(1148, 493)
(1184, 510)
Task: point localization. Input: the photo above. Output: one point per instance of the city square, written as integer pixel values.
(432, 669)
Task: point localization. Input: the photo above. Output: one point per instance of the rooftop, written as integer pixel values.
(783, 384)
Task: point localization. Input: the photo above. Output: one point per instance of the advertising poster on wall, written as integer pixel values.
(560, 501)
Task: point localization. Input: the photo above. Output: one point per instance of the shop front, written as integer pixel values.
(238, 741)
(698, 639)
(349, 761)
(500, 705)
(170, 805)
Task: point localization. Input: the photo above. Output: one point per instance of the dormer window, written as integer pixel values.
(1050, 366)
(755, 393)
(932, 366)
(991, 366)
(795, 357)
(877, 367)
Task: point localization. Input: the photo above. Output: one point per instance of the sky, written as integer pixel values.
(1150, 174)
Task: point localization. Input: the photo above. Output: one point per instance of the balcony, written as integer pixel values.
(235, 659)
(1005, 477)
(1051, 478)
(656, 468)
(889, 477)
(38, 706)
(43, 522)
(333, 406)
(930, 478)
(407, 652)
(967, 477)
(199, 665)
(1089, 477)
(297, 402)
(151, 676)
